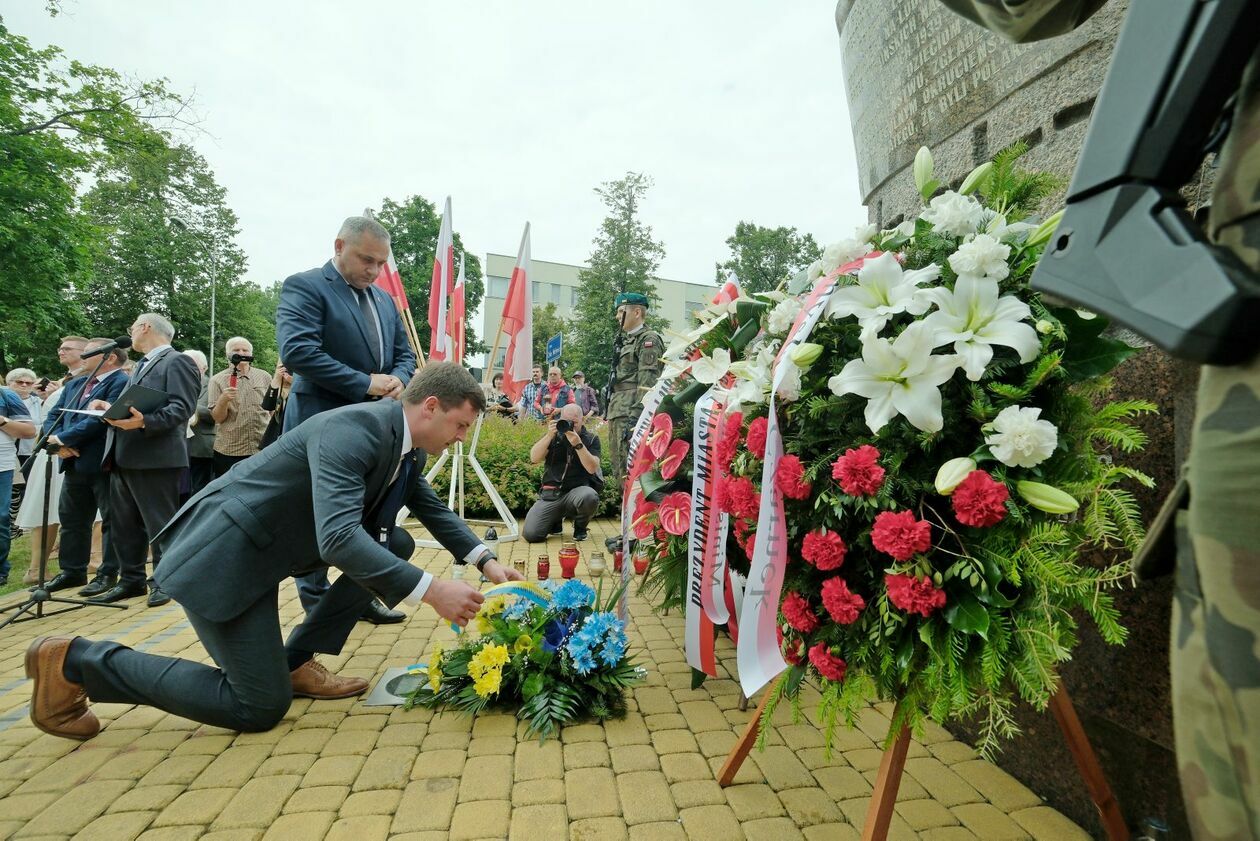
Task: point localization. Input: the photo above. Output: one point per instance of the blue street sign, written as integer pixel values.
(553, 347)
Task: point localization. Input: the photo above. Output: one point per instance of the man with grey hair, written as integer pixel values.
(236, 397)
(344, 342)
(146, 454)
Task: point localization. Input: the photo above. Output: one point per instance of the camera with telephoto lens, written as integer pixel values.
(563, 426)
(238, 358)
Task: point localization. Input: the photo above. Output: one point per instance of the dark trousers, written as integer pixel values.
(200, 473)
(250, 689)
(141, 503)
(82, 494)
(222, 463)
(578, 504)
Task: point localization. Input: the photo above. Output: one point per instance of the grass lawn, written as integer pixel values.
(19, 560)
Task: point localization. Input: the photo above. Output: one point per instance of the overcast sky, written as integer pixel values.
(313, 110)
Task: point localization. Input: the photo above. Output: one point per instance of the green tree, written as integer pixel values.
(624, 258)
(763, 257)
(413, 227)
(170, 248)
(547, 323)
(60, 121)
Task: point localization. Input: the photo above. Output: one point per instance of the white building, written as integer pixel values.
(557, 283)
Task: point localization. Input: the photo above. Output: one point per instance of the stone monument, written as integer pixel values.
(917, 75)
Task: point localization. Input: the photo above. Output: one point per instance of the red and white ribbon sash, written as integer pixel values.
(702, 576)
(650, 403)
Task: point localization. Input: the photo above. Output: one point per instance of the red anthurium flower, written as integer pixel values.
(659, 433)
(675, 512)
(674, 458)
(644, 517)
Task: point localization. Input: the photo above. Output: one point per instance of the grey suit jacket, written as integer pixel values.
(299, 505)
(163, 442)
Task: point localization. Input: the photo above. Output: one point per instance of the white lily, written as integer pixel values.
(974, 318)
(882, 290)
(710, 369)
(789, 389)
(899, 377)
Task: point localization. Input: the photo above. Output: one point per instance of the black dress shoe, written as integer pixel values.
(99, 585)
(580, 533)
(119, 592)
(379, 614)
(157, 597)
(64, 581)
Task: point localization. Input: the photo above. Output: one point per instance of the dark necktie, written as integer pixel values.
(87, 391)
(135, 373)
(374, 335)
(387, 512)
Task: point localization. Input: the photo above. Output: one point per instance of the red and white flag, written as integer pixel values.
(442, 287)
(518, 324)
(457, 316)
(388, 278)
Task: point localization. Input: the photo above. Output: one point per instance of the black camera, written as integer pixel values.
(238, 358)
(563, 426)
(42, 384)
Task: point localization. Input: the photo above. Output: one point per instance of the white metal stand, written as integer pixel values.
(456, 491)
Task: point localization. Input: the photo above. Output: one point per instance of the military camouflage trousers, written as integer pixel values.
(1216, 612)
(618, 430)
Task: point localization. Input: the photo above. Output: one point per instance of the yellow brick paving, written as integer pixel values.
(341, 770)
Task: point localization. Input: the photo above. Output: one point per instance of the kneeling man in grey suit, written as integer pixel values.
(324, 495)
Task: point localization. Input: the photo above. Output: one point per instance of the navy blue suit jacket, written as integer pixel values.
(324, 342)
(84, 432)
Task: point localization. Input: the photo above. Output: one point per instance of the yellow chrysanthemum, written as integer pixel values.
(488, 683)
(494, 605)
(489, 657)
(523, 643)
(484, 625)
(435, 668)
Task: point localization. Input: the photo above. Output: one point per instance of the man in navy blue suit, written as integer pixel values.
(85, 486)
(343, 340)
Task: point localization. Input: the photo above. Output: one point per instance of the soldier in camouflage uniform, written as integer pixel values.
(636, 370)
(1216, 612)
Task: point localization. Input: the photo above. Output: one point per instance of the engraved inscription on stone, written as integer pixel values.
(916, 73)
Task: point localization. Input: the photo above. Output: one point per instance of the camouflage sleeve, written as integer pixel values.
(1022, 21)
(651, 349)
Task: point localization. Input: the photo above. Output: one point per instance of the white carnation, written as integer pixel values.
(1020, 439)
(789, 388)
(983, 256)
(782, 316)
(954, 214)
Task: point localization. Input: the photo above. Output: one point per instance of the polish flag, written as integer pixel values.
(441, 289)
(388, 279)
(729, 291)
(457, 316)
(518, 324)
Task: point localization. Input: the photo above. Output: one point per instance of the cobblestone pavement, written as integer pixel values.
(340, 770)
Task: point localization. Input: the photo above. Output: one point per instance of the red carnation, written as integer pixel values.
(799, 614)
(914, 595)
(676, 512)
(828, 665)
(673, 458)
(979, 500)
(899, 534)
(793, 649)
(757, 437)
(740, 498)
(728, 444)
(843, 604)
(789, 476)
(643, 520)
(824, 549)
(749, 544)
(858, 471)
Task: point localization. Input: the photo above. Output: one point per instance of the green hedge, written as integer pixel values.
(503, 451)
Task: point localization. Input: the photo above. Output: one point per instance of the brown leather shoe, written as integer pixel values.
(58, 706)
(312, 680)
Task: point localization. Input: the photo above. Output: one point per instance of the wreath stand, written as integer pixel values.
(893, 764)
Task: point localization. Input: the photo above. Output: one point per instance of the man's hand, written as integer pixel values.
(67, 452)
(454, 601)
(136, 421)
(229, 394)
(551, 429)
(574, 438)
(99, 405)
(497, 573)
(53, 439)
(382, 385)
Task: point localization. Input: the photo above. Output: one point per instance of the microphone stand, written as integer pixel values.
(39, 594)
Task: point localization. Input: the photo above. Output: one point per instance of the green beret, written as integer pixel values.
(631, 298)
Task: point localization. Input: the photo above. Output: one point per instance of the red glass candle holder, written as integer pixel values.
(544, 568)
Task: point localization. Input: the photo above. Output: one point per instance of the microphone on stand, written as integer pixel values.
(120, 342)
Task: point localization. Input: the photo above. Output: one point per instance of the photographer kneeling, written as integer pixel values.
(571, 477)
